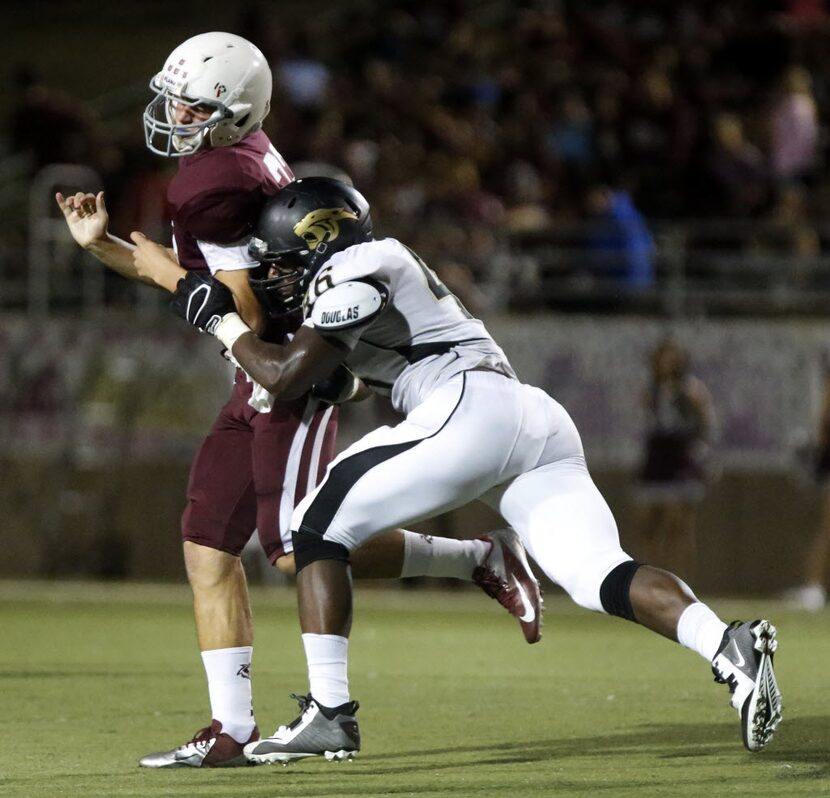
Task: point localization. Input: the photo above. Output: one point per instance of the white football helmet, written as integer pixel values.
(218, 73)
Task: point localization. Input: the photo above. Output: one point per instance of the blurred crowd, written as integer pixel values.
(466, 120)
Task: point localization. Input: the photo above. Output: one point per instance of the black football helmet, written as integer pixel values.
(299, 229)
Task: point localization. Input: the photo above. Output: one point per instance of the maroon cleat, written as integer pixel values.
(505, 575)
(209, 748)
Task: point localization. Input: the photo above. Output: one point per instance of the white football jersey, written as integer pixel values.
(406, 332)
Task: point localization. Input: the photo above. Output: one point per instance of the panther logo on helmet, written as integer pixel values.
(298, 230)
(321, 226)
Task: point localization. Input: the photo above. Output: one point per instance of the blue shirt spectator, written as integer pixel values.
(619, 244)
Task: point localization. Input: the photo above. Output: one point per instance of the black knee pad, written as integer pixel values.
(309, 547)
(614, 591)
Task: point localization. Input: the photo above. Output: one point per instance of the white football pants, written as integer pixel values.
(482, 436)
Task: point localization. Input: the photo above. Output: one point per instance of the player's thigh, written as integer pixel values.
(565, 525)
(448, 451)
(221, 501)
(291, 450)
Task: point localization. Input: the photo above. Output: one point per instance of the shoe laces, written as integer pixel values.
(304, 702)
(486, 577)
(202, 746)
(730, 680)
(492, 584)
(200, 742)
(201, 739)
(202, 736)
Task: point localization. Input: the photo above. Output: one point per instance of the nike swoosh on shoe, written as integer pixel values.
(529, 612)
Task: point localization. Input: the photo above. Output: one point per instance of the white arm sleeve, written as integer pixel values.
(227, 257)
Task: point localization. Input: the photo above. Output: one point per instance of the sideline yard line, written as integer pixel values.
(380, 595)
(89, 592)
(370, 595)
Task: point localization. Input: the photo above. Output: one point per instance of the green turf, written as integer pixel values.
(454, 702)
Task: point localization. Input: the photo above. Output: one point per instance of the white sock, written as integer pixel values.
(700, 630)
(228, 673)
(328, 677)
(425, 555)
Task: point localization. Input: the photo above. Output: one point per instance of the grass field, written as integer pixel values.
(454, 702)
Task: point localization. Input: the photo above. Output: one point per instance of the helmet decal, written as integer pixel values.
(321, 226)
(298, 230)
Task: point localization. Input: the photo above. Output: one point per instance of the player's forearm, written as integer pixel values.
(251, 313)
(286, 372)
(274, 367)
(247, 305)
(117, 254)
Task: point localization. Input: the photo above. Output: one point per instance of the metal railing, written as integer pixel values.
(52, 250)
(699, 268)
(59, 278)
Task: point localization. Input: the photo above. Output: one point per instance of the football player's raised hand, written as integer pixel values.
(86, 216)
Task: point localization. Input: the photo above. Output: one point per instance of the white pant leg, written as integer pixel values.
(478, 435)
(565, 525)
(456, 445)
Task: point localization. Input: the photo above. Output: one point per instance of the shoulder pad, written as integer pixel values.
(348, 304)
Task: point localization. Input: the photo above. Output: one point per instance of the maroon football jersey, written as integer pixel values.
(217, 194)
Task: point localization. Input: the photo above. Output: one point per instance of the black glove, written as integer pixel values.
(339, 387)
(202, 301)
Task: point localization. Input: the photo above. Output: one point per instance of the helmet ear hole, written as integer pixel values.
(242, 122)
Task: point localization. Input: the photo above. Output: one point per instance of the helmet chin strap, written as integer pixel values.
(189, 144)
